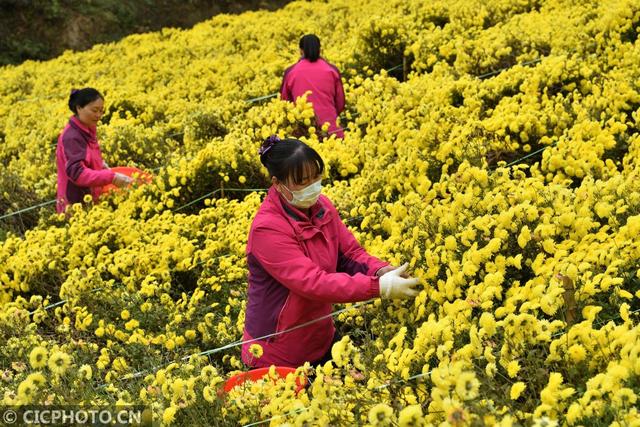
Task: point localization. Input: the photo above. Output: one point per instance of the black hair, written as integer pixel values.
(310, 45)
(290, 158)
(82, 97)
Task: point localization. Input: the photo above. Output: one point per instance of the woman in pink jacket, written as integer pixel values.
(81, 170)
(315, 74)
(301, 259)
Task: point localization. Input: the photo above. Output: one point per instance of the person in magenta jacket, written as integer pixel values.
(301, 259)
(315, 74)
(81, 170)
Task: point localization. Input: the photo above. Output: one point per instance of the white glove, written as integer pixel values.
(393, 286)
(120, 180)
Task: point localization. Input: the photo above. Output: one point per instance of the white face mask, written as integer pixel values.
(307, 196)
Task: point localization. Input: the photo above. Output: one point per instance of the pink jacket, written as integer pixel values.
(298, 267)
(324, 82)
(80, 167)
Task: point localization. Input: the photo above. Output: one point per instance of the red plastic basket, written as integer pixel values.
(142, 177)
(258, 374)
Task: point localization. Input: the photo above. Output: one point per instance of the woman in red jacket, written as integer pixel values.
(323, 79)
(301, 259)
(81, 170)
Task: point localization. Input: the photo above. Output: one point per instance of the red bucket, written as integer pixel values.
(142, 177)
(258, 374)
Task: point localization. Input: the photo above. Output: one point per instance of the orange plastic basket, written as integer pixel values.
(258, 374)
(142, 177)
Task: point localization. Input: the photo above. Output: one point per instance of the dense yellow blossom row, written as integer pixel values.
(531, 284)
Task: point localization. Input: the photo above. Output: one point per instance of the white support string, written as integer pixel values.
(413, 377)
(61, 302)
(30, 208)
(218, 190)
(241, 342)
(380, 387)
(251, 100)
(297, 411)
(248, 101)
(238, 189)
(264, 337)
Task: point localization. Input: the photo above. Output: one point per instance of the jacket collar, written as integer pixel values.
(87, 130)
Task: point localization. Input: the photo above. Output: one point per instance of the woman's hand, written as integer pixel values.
(121, 180)
(389, 268)
(394, 286)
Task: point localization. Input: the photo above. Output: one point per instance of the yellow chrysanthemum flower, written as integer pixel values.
(26, 391)
(169, 415)
(85, 372)
(577, 353)
(411, 416)
(516, 390)
(381, 415)
(256, 350)
(38, 357)
(209, 394)
(59, 362)
(37, 379)
(513, 368)
(467, 386)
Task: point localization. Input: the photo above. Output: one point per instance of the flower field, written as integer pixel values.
(498, 156)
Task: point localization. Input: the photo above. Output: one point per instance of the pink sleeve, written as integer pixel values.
(285, 90)
(352, 256)
(339, 101)
(95, 178)
(297, 272)
(76, 169)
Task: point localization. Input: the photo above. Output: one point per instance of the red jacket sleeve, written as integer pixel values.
(76, 169)
(297, 272)
(352, 257)
(285, 90)
(339, 90)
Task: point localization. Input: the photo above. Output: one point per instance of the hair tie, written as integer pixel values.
(267, 144)
(74, 91)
